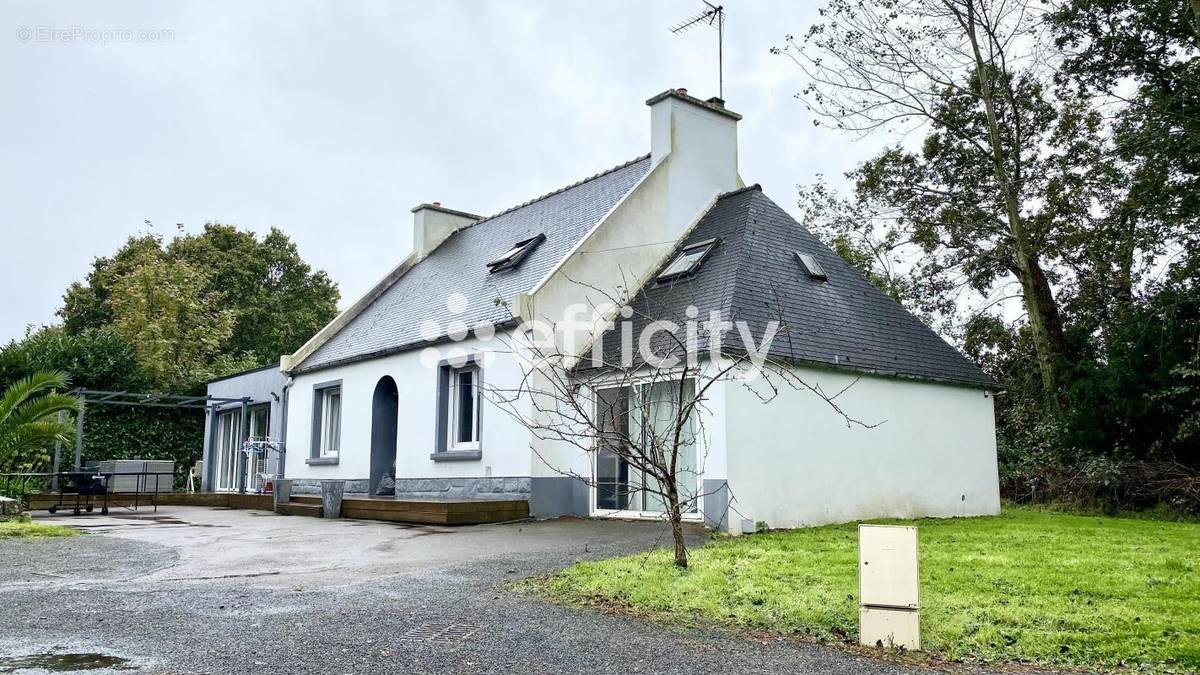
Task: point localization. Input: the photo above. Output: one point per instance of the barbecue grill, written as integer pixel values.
(84, 485)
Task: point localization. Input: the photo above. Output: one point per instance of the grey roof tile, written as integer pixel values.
(753, 276)
(392, 322)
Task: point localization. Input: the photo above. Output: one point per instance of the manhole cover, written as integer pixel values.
(441, 632)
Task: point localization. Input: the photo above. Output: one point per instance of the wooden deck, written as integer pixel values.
(40, 501)
(363, 507)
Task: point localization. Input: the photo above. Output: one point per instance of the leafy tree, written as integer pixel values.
(1139, 61)
(176, 325)
(1142, 57)
(272, 300)
(30, 421)
(968, 71)
(278, 301)
(92, 358)
(86, 305)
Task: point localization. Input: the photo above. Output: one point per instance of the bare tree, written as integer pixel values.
(636, 407)
(892, 64)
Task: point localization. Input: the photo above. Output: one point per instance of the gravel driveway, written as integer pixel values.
(195, 590)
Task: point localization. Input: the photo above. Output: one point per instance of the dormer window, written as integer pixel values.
(513, 256)
(687, 261)
(811, 267)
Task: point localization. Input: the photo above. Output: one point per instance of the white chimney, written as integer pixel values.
(432, 224)
(698, 141)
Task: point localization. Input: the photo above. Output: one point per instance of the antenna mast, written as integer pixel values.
(713, 16)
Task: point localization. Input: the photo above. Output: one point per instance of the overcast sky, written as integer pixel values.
(331, 120)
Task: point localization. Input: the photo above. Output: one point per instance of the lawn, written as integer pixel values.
(24, 530)
(1026, 586)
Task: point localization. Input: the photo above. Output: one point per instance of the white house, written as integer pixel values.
(392, 387)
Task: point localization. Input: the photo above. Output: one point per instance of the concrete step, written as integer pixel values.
(296, 509)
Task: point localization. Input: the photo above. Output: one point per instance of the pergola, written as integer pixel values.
(95, 397)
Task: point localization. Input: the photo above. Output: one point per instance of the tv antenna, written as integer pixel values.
(714, 16)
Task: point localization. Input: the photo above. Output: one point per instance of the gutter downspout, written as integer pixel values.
(283, 422)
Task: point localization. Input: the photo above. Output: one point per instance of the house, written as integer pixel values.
(226, 468)
(390, 395)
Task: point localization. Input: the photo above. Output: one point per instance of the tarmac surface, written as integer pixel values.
(201, 590)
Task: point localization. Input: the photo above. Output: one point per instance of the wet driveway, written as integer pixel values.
(197, 590)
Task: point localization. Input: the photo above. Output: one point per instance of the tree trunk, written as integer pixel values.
(675, 515)
(1044, 320)
(1123, 291)
(1196, 16)
(681, 556)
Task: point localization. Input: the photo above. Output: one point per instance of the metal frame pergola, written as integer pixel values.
(174, 401)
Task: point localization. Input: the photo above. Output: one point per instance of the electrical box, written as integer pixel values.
(881, 627)
(888, 586)
(888, 566)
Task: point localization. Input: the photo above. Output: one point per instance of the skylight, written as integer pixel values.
(513, 256)
(810, 266)
(687, 261)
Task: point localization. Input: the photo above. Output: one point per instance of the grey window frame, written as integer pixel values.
(811, 266)
(443, 449)
(517, 253)
(705, 248)
(319, 391)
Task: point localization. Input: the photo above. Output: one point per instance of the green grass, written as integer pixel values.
(1029, 586)
(25, 530)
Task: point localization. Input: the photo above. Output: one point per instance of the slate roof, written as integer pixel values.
(752, 275)
(392, 323)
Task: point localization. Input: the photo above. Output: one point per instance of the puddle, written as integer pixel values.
(62, 663)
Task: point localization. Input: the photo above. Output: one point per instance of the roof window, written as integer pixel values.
(687, 261)
(811, 267)
(513, 256)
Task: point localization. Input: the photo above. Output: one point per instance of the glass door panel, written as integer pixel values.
(228, 450)
(645, 413)
(613, 488)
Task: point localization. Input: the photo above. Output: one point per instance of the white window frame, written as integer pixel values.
(229, 425)
(641, 385)
(453, 411)
(331, 426)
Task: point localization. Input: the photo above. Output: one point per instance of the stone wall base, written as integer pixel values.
(464, 488)
(312, 486)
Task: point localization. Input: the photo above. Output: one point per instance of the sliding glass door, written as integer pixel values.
(645, 415)
(228, 451)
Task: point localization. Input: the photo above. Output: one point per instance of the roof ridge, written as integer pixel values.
(730, 305)
(560, 190)
(734, 193)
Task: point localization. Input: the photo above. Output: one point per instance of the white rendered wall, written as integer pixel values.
(794, 462)
(504, 446)
(693, 161)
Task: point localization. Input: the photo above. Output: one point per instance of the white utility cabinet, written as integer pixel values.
(888, 586)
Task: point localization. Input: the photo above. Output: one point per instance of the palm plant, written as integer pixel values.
(30, 420)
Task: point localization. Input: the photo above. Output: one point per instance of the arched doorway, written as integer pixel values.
(385, 405)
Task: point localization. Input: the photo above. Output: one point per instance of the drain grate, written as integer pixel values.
(441, 632)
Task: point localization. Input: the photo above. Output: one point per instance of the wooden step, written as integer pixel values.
(297, 509)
